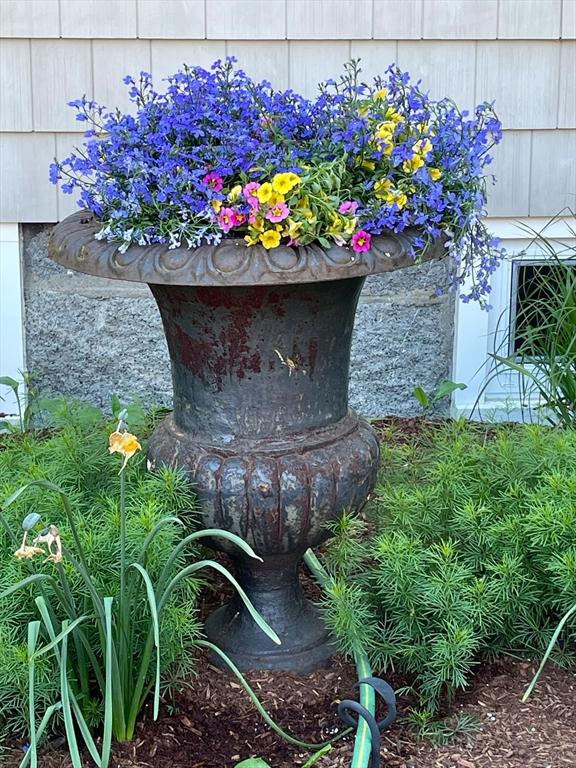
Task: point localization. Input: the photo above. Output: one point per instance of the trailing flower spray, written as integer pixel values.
(218, 155)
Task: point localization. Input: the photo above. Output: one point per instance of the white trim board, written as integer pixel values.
(12, 360)
(477, 333)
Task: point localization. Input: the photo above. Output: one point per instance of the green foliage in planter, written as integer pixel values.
(74, 457)
(470, 552)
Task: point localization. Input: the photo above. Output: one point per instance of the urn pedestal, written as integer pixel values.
(259, 343)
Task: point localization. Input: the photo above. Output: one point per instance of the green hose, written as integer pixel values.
(363, 740)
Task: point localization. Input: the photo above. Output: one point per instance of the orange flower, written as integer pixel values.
(125, 444)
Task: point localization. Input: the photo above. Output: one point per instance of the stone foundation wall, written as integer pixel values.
(89, 337)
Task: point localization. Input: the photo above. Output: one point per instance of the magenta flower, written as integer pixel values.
(213, 181)
(238, 218)
(248, 192)
(361, 241)
(226, 218)
(278, 212)
(348, 206)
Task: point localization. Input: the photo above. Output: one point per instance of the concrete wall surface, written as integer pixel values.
(89, 337)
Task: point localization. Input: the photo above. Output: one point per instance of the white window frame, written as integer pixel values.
(477, 333)
(12, 357)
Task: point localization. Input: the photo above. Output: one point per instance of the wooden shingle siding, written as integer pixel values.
(172, 19)
(61, 71)
(25, 193)
(568, 20)
(552, 151)
(328, 19)
(397, 19)
(522, 77)
(104, 18)
(460, 19)
(118, 57)
(510, 196)
(520, 53)
(15, 88)
(247, 19)
(29, 18)
(530, 19)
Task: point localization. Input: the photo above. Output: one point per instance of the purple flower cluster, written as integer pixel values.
(367, 158)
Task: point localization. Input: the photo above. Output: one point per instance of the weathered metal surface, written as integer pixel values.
(260, 348)
(261, 424)
(231, 262)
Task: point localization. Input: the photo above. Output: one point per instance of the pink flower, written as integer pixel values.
(348, 206)
(361, 241)
(278, 212)
(226, 219)
(238, 218)
(253, 214)
(248, 193)
(213, 181)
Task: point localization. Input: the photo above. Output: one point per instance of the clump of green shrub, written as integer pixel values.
(74, 456)
(469, 552)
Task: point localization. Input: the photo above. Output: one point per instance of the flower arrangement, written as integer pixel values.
(218, 155)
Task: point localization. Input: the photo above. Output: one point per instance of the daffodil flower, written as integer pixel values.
(125, 444)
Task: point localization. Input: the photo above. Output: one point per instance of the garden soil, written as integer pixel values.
(213, 724)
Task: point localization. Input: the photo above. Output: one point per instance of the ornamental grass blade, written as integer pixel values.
(33, 631)
(156, 628)
(40, 731)
(33, 484)
(108, 700)
(25, 583)
(155, 531)
(262, 623)
(66, 709)
(218, 533)
(551, 645)
(53, 643)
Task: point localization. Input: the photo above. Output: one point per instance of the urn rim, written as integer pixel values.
(231, 262)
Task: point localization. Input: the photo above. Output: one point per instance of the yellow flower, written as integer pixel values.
(412, 165)
(284, 182)
(382, 189)
(435, 173)
(26, 552)
(258, 224)
(350, 226)
(125, 444)
(275, 198)
(216, 205)
(381, 94)
(368, 164)
(400, 199)
(422, 147)
(264, 192)
(235, 193)
(292, 229)
(270, 239)
(249, 240)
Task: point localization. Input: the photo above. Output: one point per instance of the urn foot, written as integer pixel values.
(277, 595)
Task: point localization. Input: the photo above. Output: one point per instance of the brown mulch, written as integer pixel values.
(213, 724)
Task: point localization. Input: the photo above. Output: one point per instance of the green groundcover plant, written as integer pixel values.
(469, 552)
(98, 566)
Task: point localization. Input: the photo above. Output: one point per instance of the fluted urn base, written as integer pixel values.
(278, 495)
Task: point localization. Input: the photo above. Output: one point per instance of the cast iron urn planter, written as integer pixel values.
(259, 343)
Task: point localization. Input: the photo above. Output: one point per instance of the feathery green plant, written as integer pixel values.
(469, 552)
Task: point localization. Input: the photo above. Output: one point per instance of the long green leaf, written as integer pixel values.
(256, 701)
(154, 532)
(33, 631)
(156, 628)
(264, 626)
(551, 645)
(66, 709)
(108, 700)
(86, 735)
(70, 628)
(214, 533)
(26, 583)
(40, 730)
(33, 484)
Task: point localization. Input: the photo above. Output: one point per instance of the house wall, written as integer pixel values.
(89, 338)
